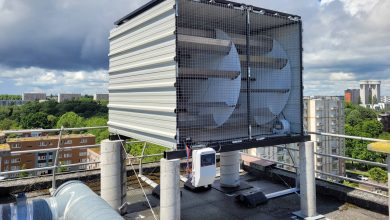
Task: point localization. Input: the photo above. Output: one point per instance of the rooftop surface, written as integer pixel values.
(4, 147)
(214, 204)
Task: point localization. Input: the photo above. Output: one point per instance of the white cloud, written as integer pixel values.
(344, 41)
(341, 76)
(54, 81)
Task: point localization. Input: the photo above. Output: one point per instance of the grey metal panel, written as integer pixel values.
(142, 75)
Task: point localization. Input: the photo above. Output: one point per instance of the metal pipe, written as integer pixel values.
(69, 165)
(353, 159)
(53, 183)
(248, 71)
(148, 181)
(352, 180)
(53, 149)
(140, 159)
(348, 136)
(53, 130)
(281, 193)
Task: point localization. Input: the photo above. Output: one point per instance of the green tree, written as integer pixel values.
(10, 97)
(378, 174)
(23, 174)
(7, 124)
(35, 120)
(60, 168)
(100, 134)
(354, 117)
(52, 120)
(372, 127)
(70, 120)
(374, 100)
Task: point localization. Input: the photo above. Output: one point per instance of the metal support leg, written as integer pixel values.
(170, 189)
(307, 182)
(230, 169)
(113, 173)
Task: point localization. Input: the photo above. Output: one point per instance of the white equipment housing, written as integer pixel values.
(203, 167)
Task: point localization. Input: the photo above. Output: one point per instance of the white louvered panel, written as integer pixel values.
(142, 74)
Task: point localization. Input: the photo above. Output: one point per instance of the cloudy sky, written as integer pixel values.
(61, 45)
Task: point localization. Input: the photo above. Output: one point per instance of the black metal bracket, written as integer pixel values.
(246, 144)
(114, 137)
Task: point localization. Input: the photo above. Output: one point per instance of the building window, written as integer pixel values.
(15, 160)
(67, 141)
(5, 161)
(43, 143)
(42, 157)
(66, 162)
(13, 168)
(67, 155)
(82, 154)
(335, 166)
(83, 160)
(40, 165)
(16, 145)
(83, 140)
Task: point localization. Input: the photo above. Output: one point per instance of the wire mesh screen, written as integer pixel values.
(238, 73)
(275, 66)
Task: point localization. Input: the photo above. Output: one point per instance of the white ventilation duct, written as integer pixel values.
(71, 201)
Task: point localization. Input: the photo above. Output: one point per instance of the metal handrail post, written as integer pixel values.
(53, 183)
(140, 159)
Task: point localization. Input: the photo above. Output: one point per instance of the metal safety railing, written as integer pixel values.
(59, 148)
(340, 157)
(141, 157)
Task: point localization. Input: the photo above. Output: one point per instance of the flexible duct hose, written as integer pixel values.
(73, 200)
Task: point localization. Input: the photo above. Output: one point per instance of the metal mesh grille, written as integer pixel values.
(239, 73)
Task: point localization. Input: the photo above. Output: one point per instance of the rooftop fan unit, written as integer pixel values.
(213, 73)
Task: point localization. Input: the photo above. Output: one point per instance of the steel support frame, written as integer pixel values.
(307, 184)
(242, 145)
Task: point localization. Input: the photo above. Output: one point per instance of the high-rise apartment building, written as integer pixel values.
(33, 96)
(384, 118)
(321, 114)
(67, 96)
(100, 97)
(352, 96)
(93, 155)
(370, 91)
(385, 99)
(38, 159)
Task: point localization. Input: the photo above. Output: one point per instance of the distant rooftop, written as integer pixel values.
(49, 137)
(4, 147)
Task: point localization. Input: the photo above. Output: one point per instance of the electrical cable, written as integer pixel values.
(136, 175)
